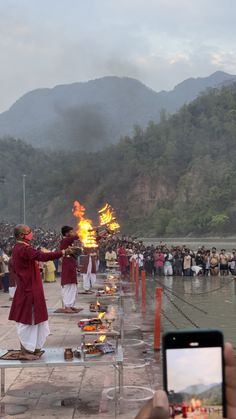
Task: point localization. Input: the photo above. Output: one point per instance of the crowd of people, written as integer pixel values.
(159, 260)
(29, 309)
(163, 260)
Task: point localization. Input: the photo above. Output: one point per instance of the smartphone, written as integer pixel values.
(193, 373)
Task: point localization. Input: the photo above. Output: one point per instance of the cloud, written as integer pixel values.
(188, 367)
(160, 42)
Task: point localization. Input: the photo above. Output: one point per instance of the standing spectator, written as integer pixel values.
(232, 263)
(110, 258)
(223, 259)
(187, 263)
(138, 257)
(214, 262)
(5, 270)
(168, 270)
(206, 263)
(149, 261)
(178, 263)
(159, 259)
(48, 269)
(123, 260)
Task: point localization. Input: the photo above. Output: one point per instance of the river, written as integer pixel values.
(188, 302)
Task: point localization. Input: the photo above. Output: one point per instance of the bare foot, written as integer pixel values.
(28, 356)
(69, 310)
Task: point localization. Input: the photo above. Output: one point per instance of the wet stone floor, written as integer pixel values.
(80, 392)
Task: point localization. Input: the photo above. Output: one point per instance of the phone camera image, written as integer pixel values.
(194, 378)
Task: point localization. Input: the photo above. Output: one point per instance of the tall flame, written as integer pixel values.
(85, 230)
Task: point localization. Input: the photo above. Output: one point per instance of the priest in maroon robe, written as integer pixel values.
(28, 308)
(68, 270)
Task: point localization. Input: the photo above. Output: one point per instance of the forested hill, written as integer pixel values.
(89, 116)
(176, 177)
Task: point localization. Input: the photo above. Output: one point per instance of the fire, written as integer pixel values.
(114, 226)
(101, 315)
(102, 339)
(195, 404)
(78, 210)
(85, 230)
(107, 217)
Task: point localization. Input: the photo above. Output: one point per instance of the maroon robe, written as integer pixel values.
(12, 274)
(123, 259)
(29, 292)
(69, 263)
(84, 261)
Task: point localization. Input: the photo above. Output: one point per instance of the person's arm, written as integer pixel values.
(29, 252)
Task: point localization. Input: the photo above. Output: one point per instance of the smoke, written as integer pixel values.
(83, 127)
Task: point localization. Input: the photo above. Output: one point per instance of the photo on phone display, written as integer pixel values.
(194, 379)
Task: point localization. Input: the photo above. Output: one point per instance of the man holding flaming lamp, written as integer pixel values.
(28, 308)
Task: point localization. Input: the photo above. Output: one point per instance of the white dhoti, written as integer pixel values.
(12, 291)
(33, 336)
(89, 278)
(88, 281)
(68, 293)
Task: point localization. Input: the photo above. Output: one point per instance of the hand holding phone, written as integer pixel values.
(158, 407)
(194, 373)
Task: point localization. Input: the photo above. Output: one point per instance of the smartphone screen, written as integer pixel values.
(194, 374)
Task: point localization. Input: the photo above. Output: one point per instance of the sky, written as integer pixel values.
(159, 42)
(187, 367)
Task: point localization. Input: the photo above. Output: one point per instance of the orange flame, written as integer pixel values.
(85, 229)
(195, 403)
(78, 210)
(101, 315)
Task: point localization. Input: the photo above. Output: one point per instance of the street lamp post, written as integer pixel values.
(23, 187)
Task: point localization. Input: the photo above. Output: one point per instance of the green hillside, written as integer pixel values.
(176, 177)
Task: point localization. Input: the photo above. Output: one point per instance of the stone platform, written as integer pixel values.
(81, 392)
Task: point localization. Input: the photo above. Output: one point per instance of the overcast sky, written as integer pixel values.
(187, 367)
(160, 42)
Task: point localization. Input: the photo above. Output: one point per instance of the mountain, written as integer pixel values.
(89, 116)
(197, 388)
(209, 397)
(174, 178)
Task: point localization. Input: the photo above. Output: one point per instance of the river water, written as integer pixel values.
(188, 302)
(191, 302)
(194, 243)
